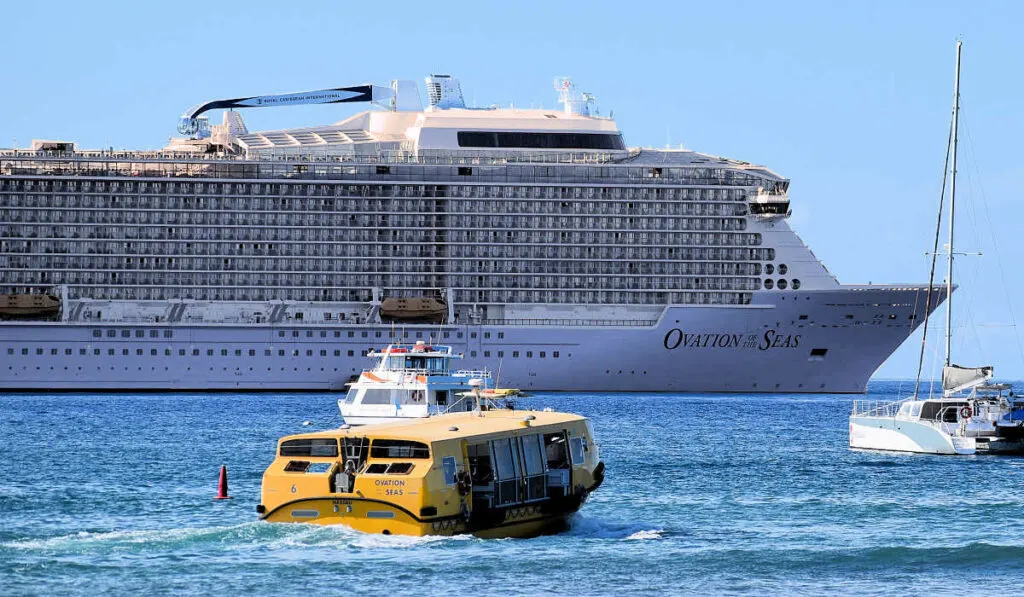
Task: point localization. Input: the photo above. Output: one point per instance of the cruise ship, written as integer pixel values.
(534, 240)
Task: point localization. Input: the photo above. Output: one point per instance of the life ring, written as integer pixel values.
(465, 483)
(966, 412)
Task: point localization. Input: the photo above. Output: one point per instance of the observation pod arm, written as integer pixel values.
(190, 124)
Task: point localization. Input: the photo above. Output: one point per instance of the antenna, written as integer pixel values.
(952, 205)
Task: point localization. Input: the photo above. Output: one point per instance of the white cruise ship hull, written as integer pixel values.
(815, 342)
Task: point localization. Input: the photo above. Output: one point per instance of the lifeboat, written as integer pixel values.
(418, 309)
(29, 306)
(488, 473)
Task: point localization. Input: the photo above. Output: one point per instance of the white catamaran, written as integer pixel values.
(969, 415)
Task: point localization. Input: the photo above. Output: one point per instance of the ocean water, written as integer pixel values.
(111, 494)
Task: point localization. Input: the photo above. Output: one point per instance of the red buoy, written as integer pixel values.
(222, 485)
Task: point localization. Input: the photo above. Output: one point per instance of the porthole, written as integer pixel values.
(783, 269)
(796, 284)
(768, 284)
(769, 269)
(782, 283)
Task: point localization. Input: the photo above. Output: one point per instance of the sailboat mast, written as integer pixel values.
(952, 206)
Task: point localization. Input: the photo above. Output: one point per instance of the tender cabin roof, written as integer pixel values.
(436, 428)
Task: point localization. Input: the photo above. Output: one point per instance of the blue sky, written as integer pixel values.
(849, 100)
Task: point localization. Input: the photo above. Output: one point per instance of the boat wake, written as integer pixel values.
(594, 528)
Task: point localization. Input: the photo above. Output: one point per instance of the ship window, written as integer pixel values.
(398, 448)
(351, 334)
(238, 352)
(465, 171)
(487, 353)
(81, 351)
(323, 353)
(209, 352)
(782, 284)
(168, 333)
(472, 335)
(154, 334)
(768, 284)
(40, 351)
(11, 351)
(543, 354)
(223, 352)
(540, 140)
(529, 354)
(399, 468)
(458, 335)
(769, 269)
(252, 352)
(446, 334)
(140, 333)
(501, 335)
(295, 334)
(783, 269)
(383, 169)
(554, 354)
(364, 334)
(280, 353)
(309, 447)
(309, 353)
(501, 353)
(796, 284)
(337, 353)
(376, 469)
(97, 333)
(351, 353)
(67, 351)
(126, 333)
(111, 333)
(280, 334)
(515, 354)
(802, 317)
(138, 352)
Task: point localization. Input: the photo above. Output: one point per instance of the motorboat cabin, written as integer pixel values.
(411, 382)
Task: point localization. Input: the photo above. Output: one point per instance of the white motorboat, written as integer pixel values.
(411, 382)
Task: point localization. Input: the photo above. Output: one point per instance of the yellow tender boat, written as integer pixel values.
(495, 473)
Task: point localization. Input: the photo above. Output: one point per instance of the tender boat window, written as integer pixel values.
(376, 469)
(319, 468)
(576, 449)
(310, 447)
(398, 448)
(399, 468)
(296, 466)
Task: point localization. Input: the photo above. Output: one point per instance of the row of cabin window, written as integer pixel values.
(381, 334)
(224, 352)
(128, 333)
(222, 195)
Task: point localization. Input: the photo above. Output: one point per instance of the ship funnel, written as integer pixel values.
(444, 92)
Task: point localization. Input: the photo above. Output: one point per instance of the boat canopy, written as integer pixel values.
(956, 378)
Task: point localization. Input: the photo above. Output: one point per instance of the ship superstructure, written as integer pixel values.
(534, 238)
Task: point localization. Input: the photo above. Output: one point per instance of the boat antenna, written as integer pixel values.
(938, 234)
(952, 205)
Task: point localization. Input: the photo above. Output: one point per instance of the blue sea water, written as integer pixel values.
(704, 494)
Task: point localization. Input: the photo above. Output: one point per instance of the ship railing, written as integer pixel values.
(876, 408)
(479, 373)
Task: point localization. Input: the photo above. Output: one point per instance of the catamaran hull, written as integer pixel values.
(900, 435)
